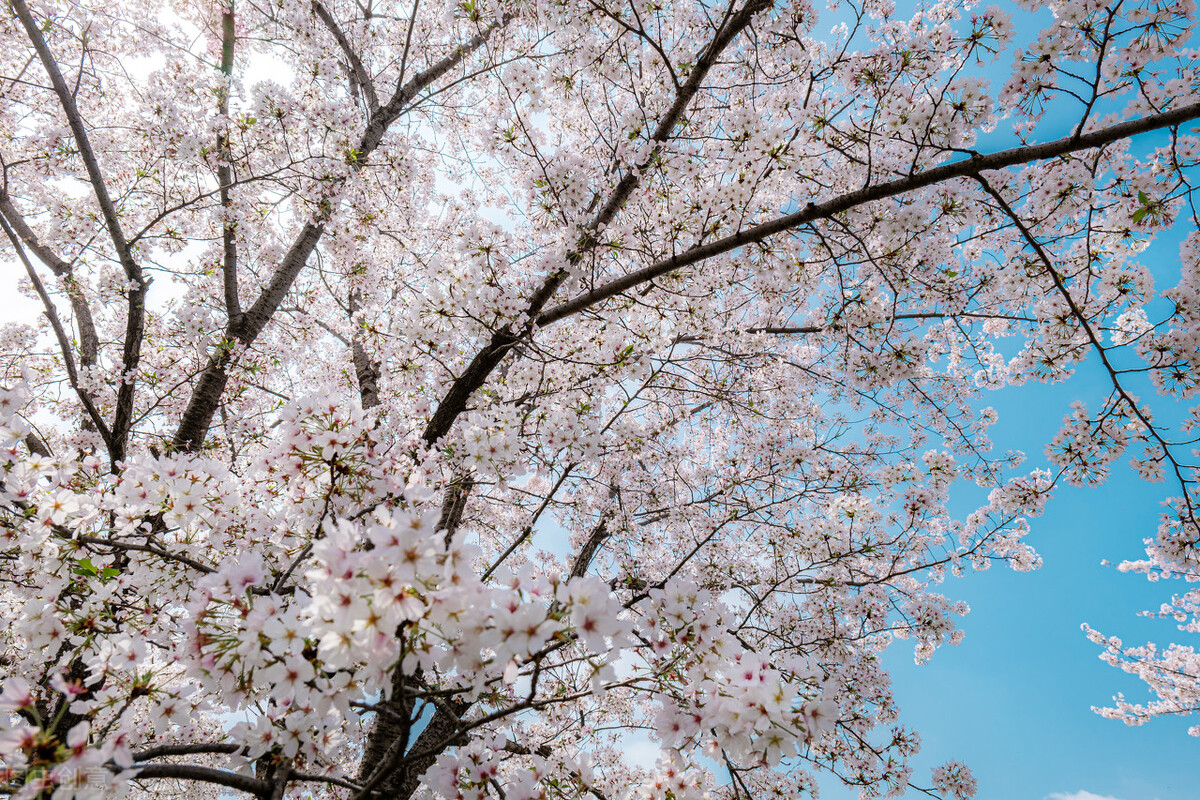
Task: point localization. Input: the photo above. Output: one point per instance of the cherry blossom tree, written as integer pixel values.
(440, 399)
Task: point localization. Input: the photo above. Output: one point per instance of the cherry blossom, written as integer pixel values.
(438, 400)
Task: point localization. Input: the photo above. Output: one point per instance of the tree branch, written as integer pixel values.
(357, 68)
(89, 341)
(365, 370)
(136, 289)
(440, 730)
(194, 772)
(60, 333)
(229, 269)
(481, 366)
(197, 417)
(187, 750)
(591, 546)
(144, 548)
(37, 446)
(1094, 340)
(815, 211)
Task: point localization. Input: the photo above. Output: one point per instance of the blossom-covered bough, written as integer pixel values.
(439, 399)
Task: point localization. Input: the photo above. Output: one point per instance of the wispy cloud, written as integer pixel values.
(1080, 795)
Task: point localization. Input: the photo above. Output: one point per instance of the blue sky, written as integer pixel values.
(1014, 700)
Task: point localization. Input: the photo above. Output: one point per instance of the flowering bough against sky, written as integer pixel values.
(501, 381)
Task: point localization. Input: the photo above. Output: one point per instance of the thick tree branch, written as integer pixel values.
(135, 291)
(303, 777)
(229, 267)
(366, 370)
(60, 333)
(391, 731)
(194, 772)
(481, 366)
(187, 750)
(37, 446)
(815, 211)
(455, 503)
(193, 426)
(161, 552)
(592, 546)
(362, 78)
(197, 418)
(412, 23)
(383, 780)
(89, 341)
(454, 402)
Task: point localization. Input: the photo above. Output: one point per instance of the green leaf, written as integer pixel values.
(85, 568)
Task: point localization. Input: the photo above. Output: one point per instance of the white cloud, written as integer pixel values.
(1080, 795)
